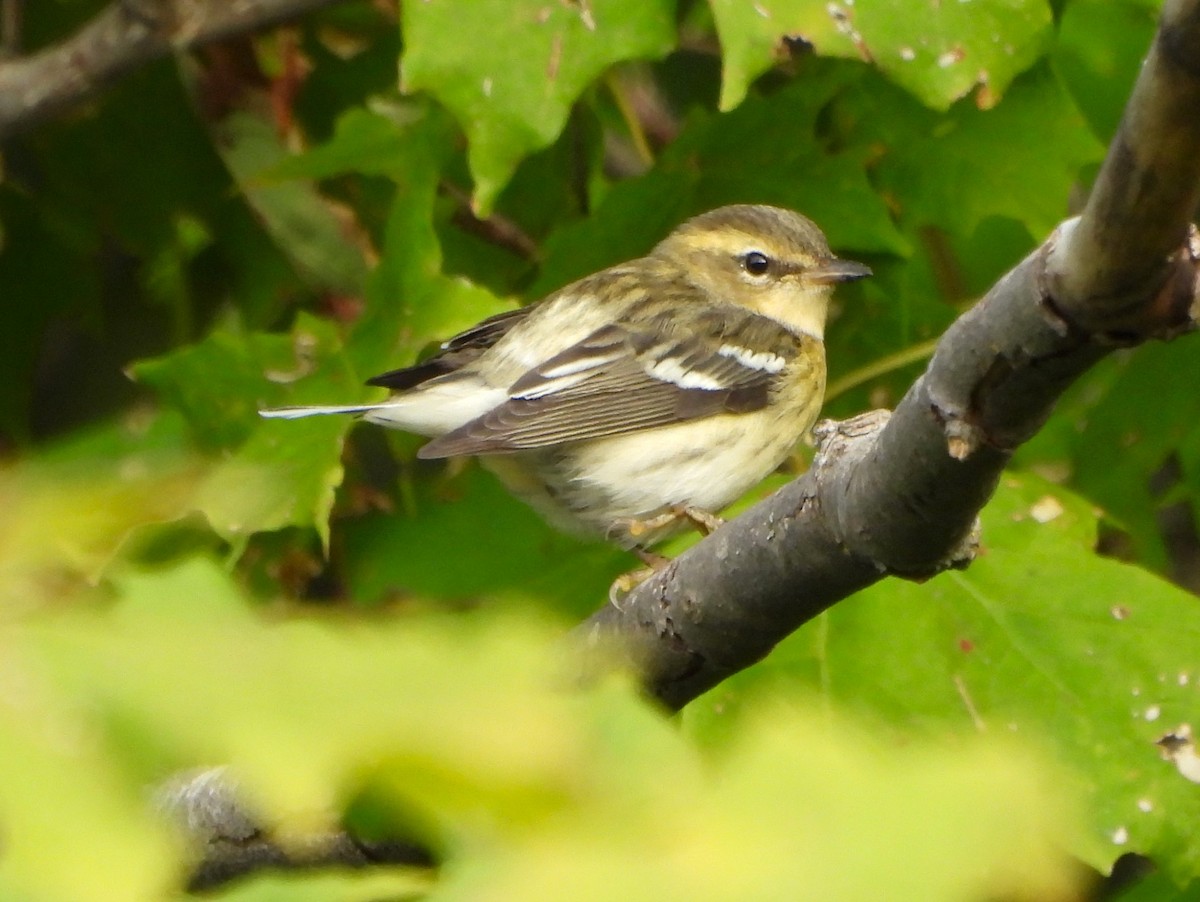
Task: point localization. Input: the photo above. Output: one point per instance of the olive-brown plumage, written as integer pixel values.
(677, 380)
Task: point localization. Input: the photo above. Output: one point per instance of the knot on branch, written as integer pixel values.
(848, 473)
(837, 439)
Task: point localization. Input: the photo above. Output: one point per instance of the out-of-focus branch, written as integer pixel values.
(11, 20)
(902, 500)
(126, 34)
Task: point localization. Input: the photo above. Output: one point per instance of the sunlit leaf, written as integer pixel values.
(529, 790)
(937, 51)
(511, 72)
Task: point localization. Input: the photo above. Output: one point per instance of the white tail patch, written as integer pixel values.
(431, 411)
(295, 413)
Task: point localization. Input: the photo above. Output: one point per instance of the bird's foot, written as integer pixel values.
(627, 582)
(703, 521)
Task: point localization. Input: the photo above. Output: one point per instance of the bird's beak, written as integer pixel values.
(834, 270)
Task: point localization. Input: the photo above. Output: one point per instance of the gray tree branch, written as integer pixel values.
(901, 500)
(125, 35)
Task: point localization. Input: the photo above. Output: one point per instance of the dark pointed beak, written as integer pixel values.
(834, 270)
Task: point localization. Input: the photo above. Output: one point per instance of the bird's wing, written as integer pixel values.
(455, 353)
(632, 377)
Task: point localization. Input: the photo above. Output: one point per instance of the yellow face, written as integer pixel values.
(770, 260)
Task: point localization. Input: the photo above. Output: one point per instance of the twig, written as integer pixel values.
(11, 22)
(496, 229)
(126, 34)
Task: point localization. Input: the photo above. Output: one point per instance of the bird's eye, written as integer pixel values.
(756, 263)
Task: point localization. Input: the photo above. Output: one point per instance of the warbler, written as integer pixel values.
(649, 394)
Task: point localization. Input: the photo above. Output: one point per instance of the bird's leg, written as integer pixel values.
(627, 582)
(703, 521)
(640, 526)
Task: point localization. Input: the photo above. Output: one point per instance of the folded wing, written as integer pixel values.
(628, 378)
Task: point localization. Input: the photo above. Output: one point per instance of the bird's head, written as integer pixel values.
(768, 259)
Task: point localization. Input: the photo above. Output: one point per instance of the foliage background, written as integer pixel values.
(356, 633)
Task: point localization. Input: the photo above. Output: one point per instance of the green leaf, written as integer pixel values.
(285, 474)
(712, 163)
(511, 71)
(376, 141)
(410, 302)
(937, 51)
(273, 474)
(1039, 638)
(217, 383)
(68, 511)
(945, 171)
(276, 479)
(307, 227)
(392, 885)
(462, 723)
(465, 538)
(1099, 50)
(1114, 434)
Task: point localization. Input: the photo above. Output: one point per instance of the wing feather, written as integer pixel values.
(629, 378)
(455, 353)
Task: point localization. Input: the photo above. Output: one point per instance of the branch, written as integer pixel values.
(125, 35)
(902, 499)
(209, 807)
(1107, 266)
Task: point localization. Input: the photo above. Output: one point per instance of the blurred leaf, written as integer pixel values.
(1159, 888)
(1098, 53)
(533, 792)
(467, 538)
(511, 72)
(1039, 638)
(317, 235)
(937, 51)
(944, 170)
(376, 886)
(65, 513)
(76, 828)
(712, 163)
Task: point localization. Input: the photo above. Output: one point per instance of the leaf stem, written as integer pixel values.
(880, 367)
(637, 134)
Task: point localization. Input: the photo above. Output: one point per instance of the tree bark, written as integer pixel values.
(125, 35)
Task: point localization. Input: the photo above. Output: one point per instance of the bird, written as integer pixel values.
(644, 398)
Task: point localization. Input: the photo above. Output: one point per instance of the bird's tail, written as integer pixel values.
(294, 413)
